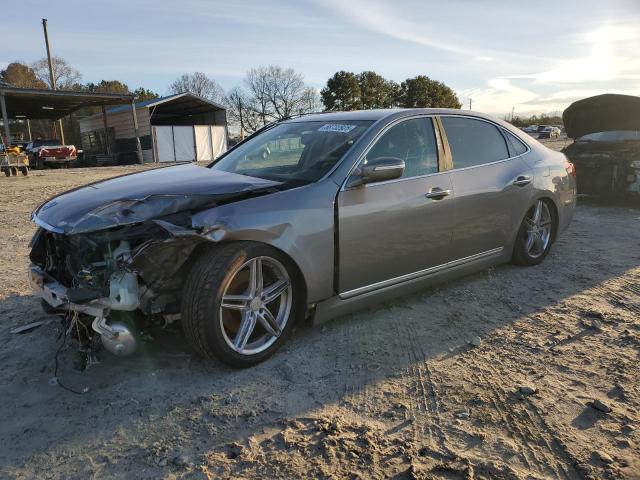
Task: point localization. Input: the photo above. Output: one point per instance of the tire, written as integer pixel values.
(24, 170)
(14, 171)
(214, 329)
(7, 172)
(40, 163)
(528, 252)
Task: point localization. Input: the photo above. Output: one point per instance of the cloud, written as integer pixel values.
(377, 18)
(498, 97)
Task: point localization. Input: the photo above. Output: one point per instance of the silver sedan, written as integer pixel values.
(308, 218)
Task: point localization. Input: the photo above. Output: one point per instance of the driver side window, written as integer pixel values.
(413, 141)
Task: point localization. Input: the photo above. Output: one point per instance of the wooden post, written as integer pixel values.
(29, 129)
(137, 132)
(107, 146)
(51, 74)
(5, 119)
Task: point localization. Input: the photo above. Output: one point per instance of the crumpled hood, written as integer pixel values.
(142, 196)
(602, 113)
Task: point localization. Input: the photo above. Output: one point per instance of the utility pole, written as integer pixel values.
(51, 75)
(512, 112)
(469, 104)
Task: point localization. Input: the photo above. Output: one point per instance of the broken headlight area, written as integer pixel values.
(136, 269)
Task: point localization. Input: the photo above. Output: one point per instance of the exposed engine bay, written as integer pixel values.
(128, 269)
(606, 151)
(606, 168)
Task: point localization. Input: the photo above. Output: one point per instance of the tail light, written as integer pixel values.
(570, 168)
(43, 151)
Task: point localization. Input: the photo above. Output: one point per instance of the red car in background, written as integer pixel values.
(50, 152)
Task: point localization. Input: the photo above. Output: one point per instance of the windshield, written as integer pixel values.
(297, 152)
(612, 136)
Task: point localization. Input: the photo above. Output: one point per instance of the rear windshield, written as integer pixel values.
(40, 143)
(295, 152)
(613, 136)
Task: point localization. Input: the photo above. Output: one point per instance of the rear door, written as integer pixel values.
(392, 231)
(491, 182)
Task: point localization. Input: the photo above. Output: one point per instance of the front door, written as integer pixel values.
(393, 230)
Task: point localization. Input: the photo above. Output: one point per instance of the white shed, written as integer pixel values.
(177, 128)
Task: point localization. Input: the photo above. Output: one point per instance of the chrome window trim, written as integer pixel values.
(419, 274)
(377, 137)
(45, 225)
(500, 128)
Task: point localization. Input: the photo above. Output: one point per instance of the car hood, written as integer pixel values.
(602, 113)
(143, 196)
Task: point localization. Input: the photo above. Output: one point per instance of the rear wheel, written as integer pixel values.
(535, 235)
(240, 303)
(24, 170)
(7, 171)
(14, 171)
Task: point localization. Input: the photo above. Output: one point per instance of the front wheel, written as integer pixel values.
(535, 235)
(240, 303)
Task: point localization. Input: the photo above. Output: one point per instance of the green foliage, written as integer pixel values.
(342, 92)
(376, 91)
(367, 90)
(108, 86)
(542, 119)
(422, 92)
(142, 94)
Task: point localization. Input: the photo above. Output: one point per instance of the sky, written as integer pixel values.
(532, 57)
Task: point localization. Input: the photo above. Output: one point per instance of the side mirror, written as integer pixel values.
(377, 170)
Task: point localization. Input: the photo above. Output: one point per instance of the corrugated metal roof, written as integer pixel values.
(161, 100)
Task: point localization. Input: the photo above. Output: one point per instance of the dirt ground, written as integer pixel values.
(398, 391)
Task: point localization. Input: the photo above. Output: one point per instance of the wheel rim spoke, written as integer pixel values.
(537, 212)
(531, 237)
(236, 302)
(255, 277)
(247, 325)
(269, 322)
(274, 291)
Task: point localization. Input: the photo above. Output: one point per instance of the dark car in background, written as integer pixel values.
(606, 150)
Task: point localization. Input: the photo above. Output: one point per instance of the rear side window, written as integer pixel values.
(474, 142)
(516, 147)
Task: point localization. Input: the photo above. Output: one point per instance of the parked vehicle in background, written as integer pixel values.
(531, 129)
(606, 150)
(549, 132)
(310, 217)
(50, 152)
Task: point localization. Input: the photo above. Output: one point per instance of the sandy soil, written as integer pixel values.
(397, 391)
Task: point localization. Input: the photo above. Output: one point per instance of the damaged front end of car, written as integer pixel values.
(121, 266)
(606, 150)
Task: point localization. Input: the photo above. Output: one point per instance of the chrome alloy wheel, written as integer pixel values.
(256, 305)
(538, 229)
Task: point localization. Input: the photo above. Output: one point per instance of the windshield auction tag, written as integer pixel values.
(336, 127)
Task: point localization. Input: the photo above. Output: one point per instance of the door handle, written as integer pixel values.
(437, 193)
(522, 180)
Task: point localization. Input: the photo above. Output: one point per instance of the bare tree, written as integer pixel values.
(65, 75)
(279, 92)
(242, 110)
(198, 84)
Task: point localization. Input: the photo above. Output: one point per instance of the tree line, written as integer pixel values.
(265, 94)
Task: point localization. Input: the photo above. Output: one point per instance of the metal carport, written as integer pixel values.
(40, 104)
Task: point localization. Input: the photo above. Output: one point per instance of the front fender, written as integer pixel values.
(299, 222)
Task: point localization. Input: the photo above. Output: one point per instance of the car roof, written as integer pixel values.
(374, 115)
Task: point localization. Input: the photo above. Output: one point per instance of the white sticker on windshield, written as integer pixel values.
(336, 127)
